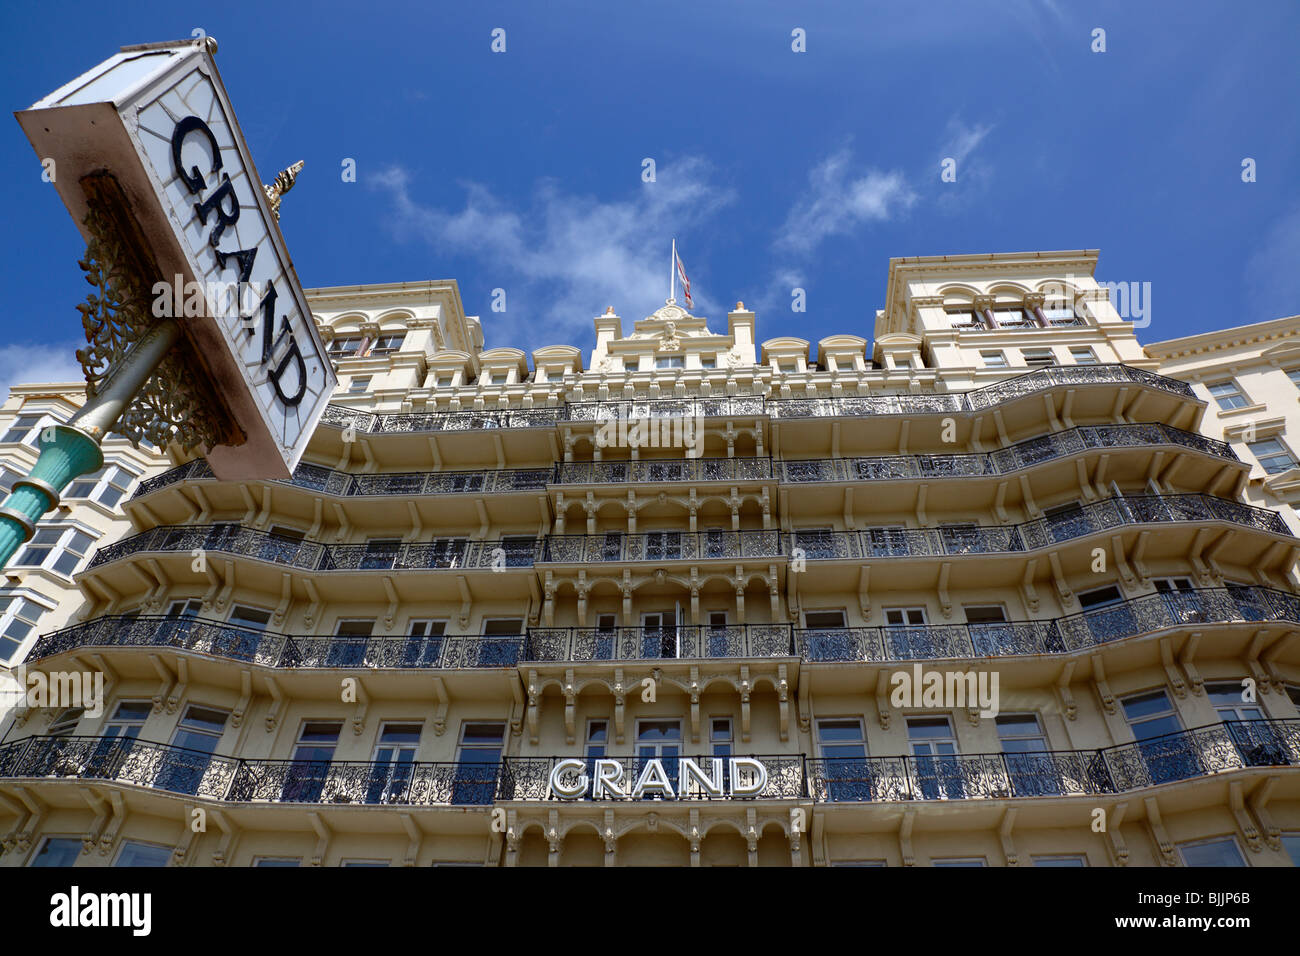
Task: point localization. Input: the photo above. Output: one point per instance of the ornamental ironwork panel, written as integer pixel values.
(1176, 756)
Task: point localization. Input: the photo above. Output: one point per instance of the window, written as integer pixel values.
(317, 740)
(661, 740)
(107, 486)
(18, 616)
(1294, 375)
(1228, 703)
(443, 381)
(967, 318)
(251, 617)
(1227, 394)
(26, 428)
(1272, 454)
(388, 342)
(1037, 358)
(57, 548)
(1221, 851)
(143, 854)
(1021, 734)
(670, 361)
(960, 861)
(934, 750)
(499, 378)
(1013, 318)
(708, 361)
(128, 719)
(1060, 314)
(380, 553)
(357, 628)
(477, 760)
(1174, 584)
(57, 851)
(597, 738)
(277, 861)
(370, 863)
(1083, 355)
(788, 367)
(985, 613)
(345, 346)
(1151, 715)
(65, 724)
(1100, 597)
(7, 478)
(841, 739)
(359, 384)
(720, 736)
(1072, 859)
(824, 620)
(394, 759)
(503, 627)
(994, 358)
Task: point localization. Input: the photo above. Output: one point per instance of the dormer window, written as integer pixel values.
(346, 346)
(1060, 314)
(1013, 317)
(443, 381)
(670, 361)
(390, 342)
(499, 378)
(708, 361)
(965, 317)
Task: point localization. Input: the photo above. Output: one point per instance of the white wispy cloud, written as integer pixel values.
(563, 257)
(974, 172)
(24, 364)
(838, 200)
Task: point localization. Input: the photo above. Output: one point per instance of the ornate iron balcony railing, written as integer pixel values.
(555, 644)
(528, 778)
(872, 543)
(684, 469)
(1140, 615)
(1197, 752)
(271, 649)
(1201, 751)
(749, 406)
(1003, 461)
(345, 484)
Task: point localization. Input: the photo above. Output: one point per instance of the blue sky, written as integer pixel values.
(522, 170)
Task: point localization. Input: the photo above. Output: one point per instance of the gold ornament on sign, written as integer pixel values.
(284, 181)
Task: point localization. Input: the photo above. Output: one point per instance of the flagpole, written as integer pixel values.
(672, 273)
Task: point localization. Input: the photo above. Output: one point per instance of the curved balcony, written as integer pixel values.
(1074, 632)
(345, 484)
(660, 546)
(270, 649)
(1004, 461)
(460, 421)
(689, 642)
(445, 554)
(978, 399)
(755, 406)
(1185, 755)
(685, 469)
(1199, 752)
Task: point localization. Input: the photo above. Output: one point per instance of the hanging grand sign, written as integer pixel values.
(158, 119)
(609, 780)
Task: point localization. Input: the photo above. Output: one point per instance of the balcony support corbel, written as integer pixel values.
(1067, 406)
(1153, 472)
(945, 602)
(110, 675)
(1031, 506)
(1135, 559)
(1001, 427)
(1171, 669)
(905, 838)
(166, 680)
(147, 579)
(391, 592)
(1028, 590)
(205, 508)
(1085, 485)
(466, 601)
(103, 592)
(31, 810)
(903, 434)
(620, 702)
(773, 592)
(740, 595)
(182, 684)
(312, 614)
(414, 838)
(922, 490)
(1245, 825)
(1258, 803)
(344, 525)
(188, 836)
(751, 835)
(484, 522)
(317, 519)
(783, 700)
(227, 588)
(1135, 407)
(1203, 574)
(1099, 474)
(116, 819)
(694, 505)
(548, 601)
(554, 840)
(1186, 658)
(695, 596)
(693, 688)
(264, 515)
(766, 500)
(155, 599)
(417, 526)
(1268, 660)
(864, 591)
(1103, 688)
(744, 688)
(1062, 586)
(245, 698)
(849, 523)
(570, 707)
(229, 834)
(1167, 476)
(627, 594)
(1068, 703)
(362, 706)
(277, 701)
(883, 710)
(534, 699)
(559, 512)
(368, 453)
(323, 835)
(1114, 836)
(1049, 406)
(1251, 657)
(999, 503)
(101, 809)
(630, 506)
(441, 702)
(250, 506)
(1166, 846)
(609, 836)
(1004, 835)
(693, 835)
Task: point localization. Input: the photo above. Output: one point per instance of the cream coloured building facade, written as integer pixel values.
(661, 609)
